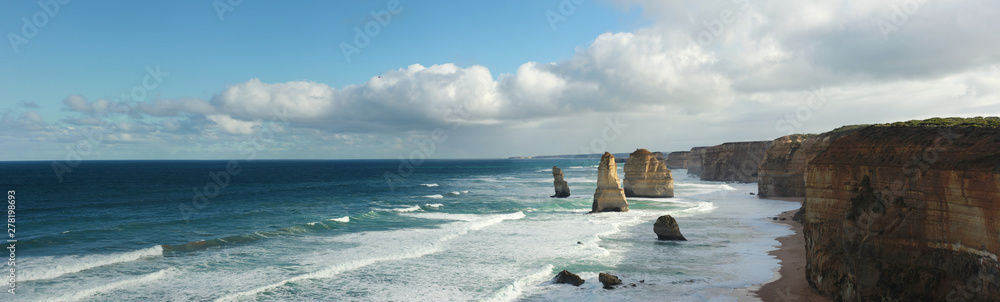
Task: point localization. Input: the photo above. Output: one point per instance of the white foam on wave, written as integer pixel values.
(435, 196)
(398, 252)
(434, 205)
(701, 207)
(41, 268)
(344, 219)
(429, 185)
(514, 290)
(79, 296)
(455, 193)
(406, 209)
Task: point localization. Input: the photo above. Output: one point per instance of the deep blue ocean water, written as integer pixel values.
(339, 231)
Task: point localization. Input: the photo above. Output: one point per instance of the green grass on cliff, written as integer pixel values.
(979, 121)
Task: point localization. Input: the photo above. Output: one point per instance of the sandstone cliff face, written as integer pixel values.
(904, 213)
(696, 159)
(562, 188)
(782, 172)
(609, 196)
(678, 160)
(646, 175)
(734, 161)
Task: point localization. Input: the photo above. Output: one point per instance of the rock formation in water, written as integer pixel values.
(562, 188)
(608, 280)
(678, 160)
(906, 212)
(646, 175)
(696, 160)
(565, 277)
(666, 228)
(733, 161)
(609, 196)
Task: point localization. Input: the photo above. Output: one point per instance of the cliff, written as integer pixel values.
(696, 159)
(562, 188)
(678, 160)
(609, 196)
(646, 175)
(906, 211)
(733, 161)
(782, 171)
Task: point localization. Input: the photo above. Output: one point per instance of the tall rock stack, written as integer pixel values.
(906, 212)
(696, 160)
(646, 175)
(609, 196)
(734, 161)
(562, 188)
(678, 160)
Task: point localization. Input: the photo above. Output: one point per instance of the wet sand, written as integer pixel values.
(789, 281)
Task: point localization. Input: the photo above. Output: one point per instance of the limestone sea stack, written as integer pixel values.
(734, 161)
(666, 228)
(609, 196)
(695, 159)
(562, 188)
(906, 212)
(678, 160)
(646, 175)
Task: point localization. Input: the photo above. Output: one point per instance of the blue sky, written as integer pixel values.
(673, 74)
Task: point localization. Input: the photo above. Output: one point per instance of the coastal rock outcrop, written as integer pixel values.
(906, 212)
(696, 159)
(646, 175)
(782, 172)
(562, 188)
(666, 228)
(734, 161)
(609, 196)
(678, 160)
(565, 277)
(608, 280)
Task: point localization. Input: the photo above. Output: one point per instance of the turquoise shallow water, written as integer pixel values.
(337, 230)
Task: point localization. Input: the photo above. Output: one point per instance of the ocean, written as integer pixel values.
(451, 230)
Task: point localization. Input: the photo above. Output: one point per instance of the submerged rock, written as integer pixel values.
(609, 280)
(565, 277)
(609, 196)
(666, 228)
(562, 188)
(646, 175)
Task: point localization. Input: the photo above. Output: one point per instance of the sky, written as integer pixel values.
(232, 79)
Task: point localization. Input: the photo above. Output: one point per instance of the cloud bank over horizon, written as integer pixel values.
(700, 74)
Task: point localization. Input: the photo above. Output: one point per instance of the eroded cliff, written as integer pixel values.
(733, 161)
(678, 160)
(907, 211)
(609, 196)
(695, 161)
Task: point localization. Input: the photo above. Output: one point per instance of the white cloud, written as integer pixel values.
(231, 125)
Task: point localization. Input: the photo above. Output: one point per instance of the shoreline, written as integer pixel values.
(789, 280)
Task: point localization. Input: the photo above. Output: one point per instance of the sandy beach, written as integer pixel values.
(789, 281)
